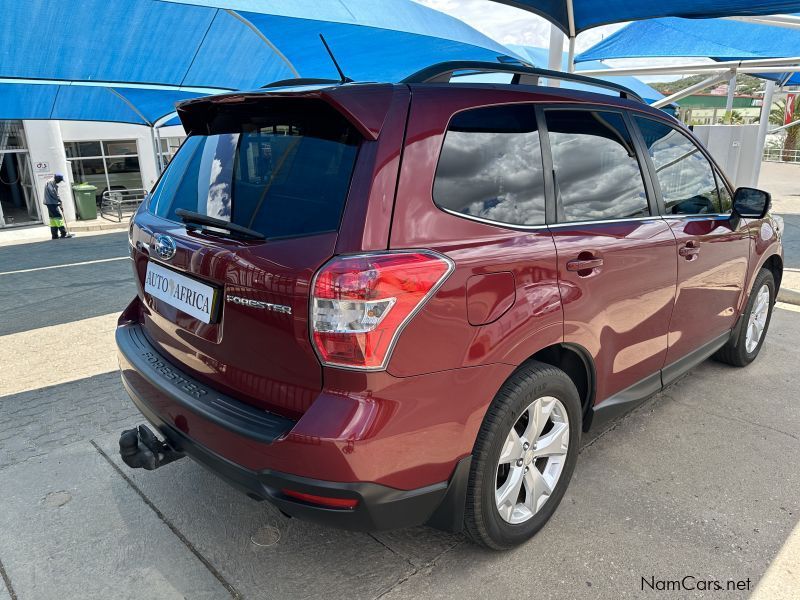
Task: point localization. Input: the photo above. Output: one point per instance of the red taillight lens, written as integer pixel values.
(326, 501)
(360, 304)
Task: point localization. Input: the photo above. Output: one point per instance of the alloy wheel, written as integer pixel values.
(758, 319)
(532, 459)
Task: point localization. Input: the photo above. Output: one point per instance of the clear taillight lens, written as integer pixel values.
(361, 303)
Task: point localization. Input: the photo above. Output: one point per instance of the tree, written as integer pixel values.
(777, 116)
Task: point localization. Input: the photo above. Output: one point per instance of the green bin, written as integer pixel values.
(85, 202)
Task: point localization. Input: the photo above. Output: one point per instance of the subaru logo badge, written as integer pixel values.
(165, 247)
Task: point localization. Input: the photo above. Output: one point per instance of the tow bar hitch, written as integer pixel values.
(141, 449)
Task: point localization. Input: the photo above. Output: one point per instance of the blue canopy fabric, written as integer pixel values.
(161, 51)
(592, 13)
(88, 103)
(540, 56)
(709, 38)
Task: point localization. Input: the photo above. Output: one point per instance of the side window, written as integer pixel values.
(491, 166)
(684, 174)
(597, 174)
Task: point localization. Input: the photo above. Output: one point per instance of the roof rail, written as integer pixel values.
(523, 75)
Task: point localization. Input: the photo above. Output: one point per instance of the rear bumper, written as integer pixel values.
(193, 418)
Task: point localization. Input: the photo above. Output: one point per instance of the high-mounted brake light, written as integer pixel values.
(361, 303)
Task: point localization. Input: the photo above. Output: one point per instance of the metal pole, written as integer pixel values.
(763, 126)
(690, 90)
(729, 101)
(155, 150)
(572, 36)
(571, 58)
(160, 149)
(556, 56)
(766, 65)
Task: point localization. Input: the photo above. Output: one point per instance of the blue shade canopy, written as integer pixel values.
(88, 103)
(540, 56)
(591, 13)
(708, 38)
(229, 44)
(154, 53)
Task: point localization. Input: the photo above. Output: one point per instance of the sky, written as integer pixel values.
(509, 25)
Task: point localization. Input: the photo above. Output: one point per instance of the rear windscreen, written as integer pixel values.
(283, 173)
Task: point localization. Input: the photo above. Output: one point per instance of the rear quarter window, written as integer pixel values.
(490, 166)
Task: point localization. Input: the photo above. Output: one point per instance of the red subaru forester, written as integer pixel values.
(383, 305)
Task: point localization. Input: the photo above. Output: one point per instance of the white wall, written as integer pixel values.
(735, 148)
(46, 149)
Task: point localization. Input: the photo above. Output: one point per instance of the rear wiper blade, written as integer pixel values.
(195, 218)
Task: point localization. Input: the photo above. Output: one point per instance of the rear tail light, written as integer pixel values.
(361, 303)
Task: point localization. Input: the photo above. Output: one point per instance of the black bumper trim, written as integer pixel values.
(379, 507)
(219, 409)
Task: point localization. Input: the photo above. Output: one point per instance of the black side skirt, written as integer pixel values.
(629, 398)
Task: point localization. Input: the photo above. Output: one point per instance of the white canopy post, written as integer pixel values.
(556, 57)
(729, 100)
(763, 126)
(572, 36)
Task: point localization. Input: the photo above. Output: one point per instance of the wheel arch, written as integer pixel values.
(578, 364)
(774, 263)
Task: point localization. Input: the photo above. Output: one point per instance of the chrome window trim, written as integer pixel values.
(720, 216)
(552, 225)
(605, 221)
(455, 213)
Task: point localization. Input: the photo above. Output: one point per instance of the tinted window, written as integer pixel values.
(684, 174)
(491, 166)
(725, 200)
(596, 171)
(286, 174)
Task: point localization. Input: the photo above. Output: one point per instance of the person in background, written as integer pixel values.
(55, 208)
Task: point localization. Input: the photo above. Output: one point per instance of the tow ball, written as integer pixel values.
(141, 449)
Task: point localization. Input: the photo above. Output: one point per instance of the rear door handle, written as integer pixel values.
(586, 264)
(689, 251)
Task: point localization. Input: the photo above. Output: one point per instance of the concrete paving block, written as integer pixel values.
(71, 527)
(695, 482)
(4, 595)
(309, 560)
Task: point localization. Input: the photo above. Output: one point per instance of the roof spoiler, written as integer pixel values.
(365, 106)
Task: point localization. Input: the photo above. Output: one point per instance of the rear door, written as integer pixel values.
(283, 170)
(712, 249)
(616, 256)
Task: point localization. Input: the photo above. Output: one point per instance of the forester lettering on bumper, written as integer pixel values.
(236, 416)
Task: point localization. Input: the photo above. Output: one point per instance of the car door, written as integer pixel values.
(616, 255)
(712, 248)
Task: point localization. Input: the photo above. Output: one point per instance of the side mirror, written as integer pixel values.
(752, 203)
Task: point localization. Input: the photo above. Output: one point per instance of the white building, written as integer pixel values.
(108, 155)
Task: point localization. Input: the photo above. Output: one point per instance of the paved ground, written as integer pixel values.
(702, 480)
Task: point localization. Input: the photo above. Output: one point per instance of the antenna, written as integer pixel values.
(342, 76)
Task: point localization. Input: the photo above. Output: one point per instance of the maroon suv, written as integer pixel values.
(382, 305)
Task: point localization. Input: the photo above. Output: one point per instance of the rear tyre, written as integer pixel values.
(741, 350)
(523, 457)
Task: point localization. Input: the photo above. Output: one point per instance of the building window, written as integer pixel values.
(169, 146)
(107, 165)
(12, 136)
